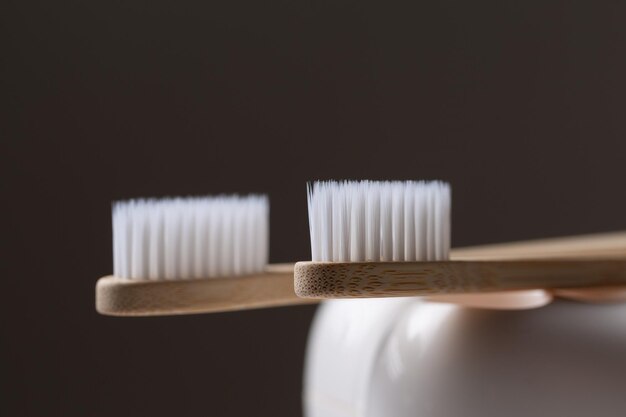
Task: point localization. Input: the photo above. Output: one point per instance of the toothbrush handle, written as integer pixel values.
(404, 279)
(601, 245)
(121, 297)
(561, 263)
(605, 244)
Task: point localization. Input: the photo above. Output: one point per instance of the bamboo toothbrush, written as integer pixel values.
(385, 239)
(193, 255)
(183, 256)
(202, 255)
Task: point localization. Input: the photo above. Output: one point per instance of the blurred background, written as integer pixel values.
(520, 105)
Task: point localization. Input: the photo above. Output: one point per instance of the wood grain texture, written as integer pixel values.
(598, 246)
(121, 297)
(400, 279)
(579, 261)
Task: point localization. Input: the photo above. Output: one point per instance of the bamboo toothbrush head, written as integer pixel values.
(190, 238)
(192, 255)
(379, 221)
(381, 239)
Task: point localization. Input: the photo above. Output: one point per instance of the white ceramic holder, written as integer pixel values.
(405, 357)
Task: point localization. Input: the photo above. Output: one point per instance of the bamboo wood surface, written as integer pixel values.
(122, 297)
(402, 279)
(585, 261)
(599, 246)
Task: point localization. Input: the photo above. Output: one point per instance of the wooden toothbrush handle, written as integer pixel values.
(571, 262)
(121, 297)
(403, 279)
(601, 245)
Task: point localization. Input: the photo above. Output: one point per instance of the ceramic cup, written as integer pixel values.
(405, 357)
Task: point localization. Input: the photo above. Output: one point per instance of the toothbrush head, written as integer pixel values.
(392, 239)
(193, 255)
(191, 237)
(378, 221)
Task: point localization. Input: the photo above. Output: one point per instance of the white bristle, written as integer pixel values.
(192, 237)
(373, 221)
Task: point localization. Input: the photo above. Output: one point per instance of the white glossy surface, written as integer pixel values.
(404, 357)
(343, 345)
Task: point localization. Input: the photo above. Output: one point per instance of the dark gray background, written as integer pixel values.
(519, 104)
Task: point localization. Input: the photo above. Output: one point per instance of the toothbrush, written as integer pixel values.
(169, 259)
(141, 287)
(385, 239)
(193, 255)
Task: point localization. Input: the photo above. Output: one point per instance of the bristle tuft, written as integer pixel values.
(373, 221)
(191, 237)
